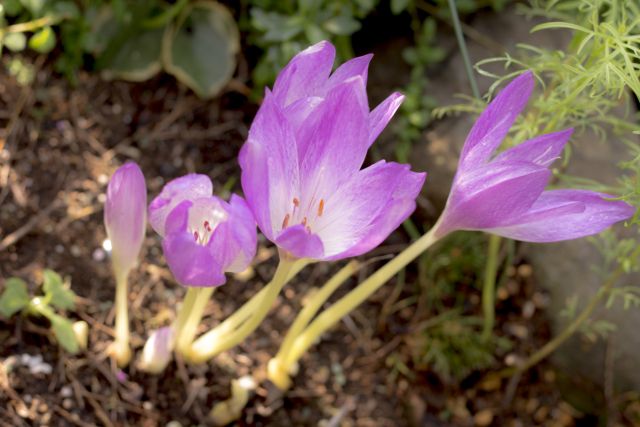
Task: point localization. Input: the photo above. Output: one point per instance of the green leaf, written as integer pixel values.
(14, 298)
(342, 25)
(399, 6)
(63, 331)
(138, 58)
(200, 49)
(34, 6)
(66, 9)
(55, 291)
(15, 42)
(43, 41)
(11, 7)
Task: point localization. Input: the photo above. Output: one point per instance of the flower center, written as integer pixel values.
(306, 216)
(203, 222)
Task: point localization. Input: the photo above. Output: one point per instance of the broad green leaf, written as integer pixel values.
(14, 298)
(138, 59)
(15, 42)
(63, 331)
(342, 25)
(200, 49)
(43, 41)
(11, 7)
(56, 292)
(34, 6)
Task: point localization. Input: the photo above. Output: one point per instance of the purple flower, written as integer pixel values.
(124, 215)
(204, 236)
(505, 194)
(301, 163)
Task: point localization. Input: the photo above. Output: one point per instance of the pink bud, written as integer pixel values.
(125, 215)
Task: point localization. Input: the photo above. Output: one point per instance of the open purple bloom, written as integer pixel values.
(301, 163)
(124, 215)
(203, 236)
(505, 194)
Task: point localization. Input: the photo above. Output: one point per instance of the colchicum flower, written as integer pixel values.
(124, 215)
(504, 194)
(203, 236)
(301, 163)
(125, 220)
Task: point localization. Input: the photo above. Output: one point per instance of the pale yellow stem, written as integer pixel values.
(120, 347)
(227, 335)
(342, 307)
(186, 325)
(276, 369)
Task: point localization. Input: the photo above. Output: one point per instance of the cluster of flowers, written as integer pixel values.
(306, 191)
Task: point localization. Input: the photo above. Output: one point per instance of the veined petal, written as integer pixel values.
(298, 111)
(333, 143)
(188, 187)
(564, 215)
(382, 114)
(233, 243)
(305, 75)
(495, 121)
(300, 243)
(492, 194)
(354, 67)
(269, 163)
(367, 208)
(541, 150)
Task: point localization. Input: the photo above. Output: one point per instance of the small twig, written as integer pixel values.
(69, 417)
(336, 420)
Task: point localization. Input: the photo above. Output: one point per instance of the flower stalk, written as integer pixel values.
(276, 369)
(189, 317)
(489, 287)
(120, 347)
(246, 319)
(337, 311)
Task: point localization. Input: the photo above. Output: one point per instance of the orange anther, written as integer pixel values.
(304, 221)
(285, 222)
(296, 202)
(321, 207)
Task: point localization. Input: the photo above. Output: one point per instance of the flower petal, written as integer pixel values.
(192, 264)
(541, 150)
(492, 195)
(305, 75)
(188, 187)
(269, 165)
(333, 143)
(367, 208)
(564, 215)
(125, 215)
(300, 243)
(354, 67)
(495, 121)
(233, 243)
(382, 114)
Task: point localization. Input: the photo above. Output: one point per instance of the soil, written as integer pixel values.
(59, 144)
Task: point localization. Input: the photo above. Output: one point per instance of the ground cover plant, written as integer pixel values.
(296, 274)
